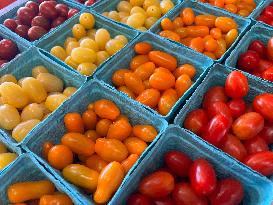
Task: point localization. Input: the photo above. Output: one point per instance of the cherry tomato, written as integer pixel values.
(157, 185)
(164, 201)
(143, 48)
(102, 127)
(145, 132)
(167, 101)
(96, 163)
(188, 16)
(128, 163)
(145, 70)
(259, 47)
(264, 19)
(138, 199)
(219, 108)
(178, 163)
(263, 104)
(270, 49)
(261, 162)
(233, 146)
(267, 133)
(90, 119)
(268, 74)
(228, 192)
(46, 147)
(120, 129)
(167, 24)
(268, 12)
(214, 94)
(149, 97)
(118, 77)
(216, 130)
(138, 60)
(249, 61)
(237, 107)
(60, 199)
(59, 156)
(184, 194)
(106, 109)
(134, 83)
(202, 177)
(73, 122)
(255, 145)
(182, 84)
(236, 85)
(163, 59)
(196, 121)
(264, 65)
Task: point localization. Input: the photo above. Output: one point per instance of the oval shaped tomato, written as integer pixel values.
(178, 163)
(157, 185)
(263, 104)
(267, 132)
(214, 94)
(227, 192)
(248, 125)
(258, 46)
(255, 145)
(139, 199)
(219, 108)
(216, 129)
(237, 107)
(249, 61)
(202, 177)
(196, 121)
(236, 85)
(261, 162)
(264, 65)
(164, 201)
(268, 74)
(184, 194)
(270, 49)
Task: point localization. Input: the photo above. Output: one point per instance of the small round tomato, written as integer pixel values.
(219, 108)
(236, 85)
(228, 192)
(178, 163)
(263, 104)
(264, 65)
(59, 156)
(73, 122)
(255, 145)
(214, 94)
(237, 107)
(202, 177)
(270, 49)
(267, 133)
(248, 61)
(106, 109)
(157, 185)
(258, 46)
(90, 119)
(138, 199)
(268, 74)
(196, 121)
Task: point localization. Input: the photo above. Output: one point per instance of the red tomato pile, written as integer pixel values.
(242, 130)
(8, 51)
(167, 186)
(258, 59)
(87, 2)
(267, 15)
(36, 19)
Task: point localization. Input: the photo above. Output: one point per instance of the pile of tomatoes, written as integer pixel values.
(8, 51)
(187, 182)
(242, 130)
(154, 78)
(99, 149)
(258, 59)
(207, 34)
(36, 192)
(267, 15)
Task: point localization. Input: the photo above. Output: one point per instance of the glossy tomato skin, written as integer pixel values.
(268, 74)
(216, 129)
(248, 61)
(139, 199)
(255, 145)
(236, 85)
(184, 194)
(178, 163)
(270, 49)
(214, 94)
(163, 201)
(202, 177)
(196, 121)
(263, 104)
(228, 192)
(261, 162)
(258, 46)
(237, 107)
(264, 65)
(157, 185)
(267, 133)
(219, 108)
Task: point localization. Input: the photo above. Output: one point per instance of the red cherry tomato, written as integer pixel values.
(164, 201)
(267, 133)
(237, 107)
(138, 199)
(264, 19)
(202, 177)
(263, 104)
(196, 121)
(268, 12)
(157, 185)
(259, 47)
(227, 192)
(255, 145)
(268, 74)
(178, 163)
(263, 65)
(270, 49)
(184, 194)
(236, 85)
(216, 129)
(248, 61)
(219, 108)
(214, 94)
(261, 162)
(234, 147)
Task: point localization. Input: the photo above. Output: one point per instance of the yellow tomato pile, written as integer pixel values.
(207, 34)
(140, 14)
(24, 103)
(36, 192)
(89, 47)
(106, 146)
(154, 78)
(5, 156)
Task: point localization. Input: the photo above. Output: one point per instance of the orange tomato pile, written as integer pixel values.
(36, 192)
(154, 78)
(106, 146)
(240, 7)
(207, 34)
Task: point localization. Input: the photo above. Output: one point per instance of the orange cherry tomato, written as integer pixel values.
(231, 37)
(127, 91)
(178, 22)
(90, 119)
(186, 41)
(118, 77)
(109, 180)
(185, 69)
(162, 80)
(197, 44)
(216, 33)
(243, 12)
(143, 48)
(145, 132)
(211, 55)
(221, 49)
(182, 84)
(111, 149)
(134, 83)
(102, 127)
(225, 24)
(59, 156)
(145, 70)
(138, 60)
(182, 32)
(106, 109)
(167, 101)
(188, 16)
(231, 8)
(46, 147)
(205, 20)
(207, 37)
(95, 162)
(211, 45)
(24, 191)
(167, 24)
(219, 3)
(163, 59)
(73, 122)
(149, 97)
(128, 163)
(119, 130)
(197, 31)
(135, 145)
(79, 143)
(92, 134)
(170, 35)
(123, 117)
(59, 199)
